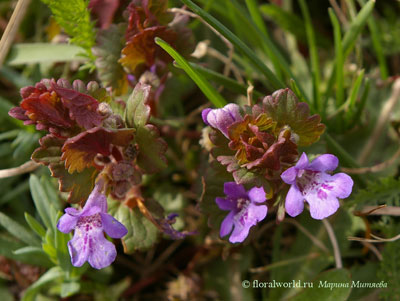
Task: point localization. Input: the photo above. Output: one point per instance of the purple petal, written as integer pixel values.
(245, 219)
(226, 225)
(67, 223)
(289, 175)
(73, 211)
(221, 119)
(112, 227)
(322, 204)
(102, 252)
(78, 249)
(257, 195)
(256, 213)
(294, 203)
(303, 162)
(97, 202)
(343, 185)
(234, 111)
(204, 114)
(240, 233)
(226, 204)
(234, 190)
(324, 163)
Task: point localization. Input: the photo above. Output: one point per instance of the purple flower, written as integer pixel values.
(244, 211)
(89, 243)
(310, 182)
(222, 119)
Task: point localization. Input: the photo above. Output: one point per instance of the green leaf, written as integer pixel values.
(284, 108)
(51, 275)
(79, 185)
(35, 225)
(34, 255)
(74, 17)
(239, 44)
(137, 111)
(42, 203)
(69, 289)
(322, 290)
(142, 234)
(383, 191)
(152, 148)
(108, 52)
(61, 240)
(43, 53)
(208, 90)
(18, 230)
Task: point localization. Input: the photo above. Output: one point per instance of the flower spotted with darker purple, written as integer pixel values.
(245, 210)
(310, 182)
(90, 223)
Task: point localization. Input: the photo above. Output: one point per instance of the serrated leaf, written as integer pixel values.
(383, 191)
(82, 107)
(141, 48)
(79, 185)
(49, 150)
(137, 111)
(74, 17)
(79, 152)
(152, 149)
(214, 177)
(340, 277)
(108, 52)
(284, 108)
(142, 234)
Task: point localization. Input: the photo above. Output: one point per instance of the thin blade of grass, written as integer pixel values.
(353, 96)
(339, 63)
(376, 43)
(208, 90)
(313, 54)
(274, 82)
(356, 26)
(220, 79)
(363, 101)
(260, 25)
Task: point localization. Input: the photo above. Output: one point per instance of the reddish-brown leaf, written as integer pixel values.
(79, 152)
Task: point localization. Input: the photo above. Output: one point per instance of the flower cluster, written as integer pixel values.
(89, 243)
(259, 144)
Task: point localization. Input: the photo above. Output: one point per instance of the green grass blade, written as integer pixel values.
(363, 101)
(356, 26)
(258, 64)
(376, 43)
(220, 79)
(353, 95)
(339, 63)
(260, 25)
(256, 15)
(200, 81)
(313, 54)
